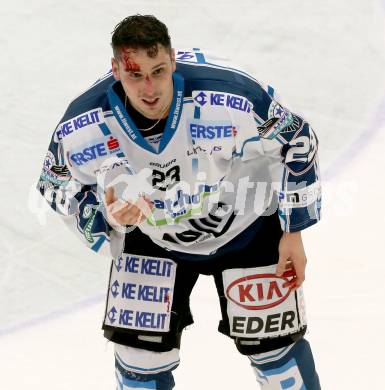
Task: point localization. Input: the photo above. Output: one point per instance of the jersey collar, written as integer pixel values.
(129, 127)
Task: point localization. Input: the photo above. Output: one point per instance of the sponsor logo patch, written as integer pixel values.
(99, 148)
(302, 197)
(258, 304)
(234, 102)
(78, 122)
(52, 173)
(211, 129)
(280, 121)
(140, 293)
(258, 292)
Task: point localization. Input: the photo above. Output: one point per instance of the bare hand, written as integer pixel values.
(120, 212)
(292, 259)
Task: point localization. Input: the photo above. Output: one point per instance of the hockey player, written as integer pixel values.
(176, 164)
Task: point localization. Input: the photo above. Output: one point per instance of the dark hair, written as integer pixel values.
(140, 31)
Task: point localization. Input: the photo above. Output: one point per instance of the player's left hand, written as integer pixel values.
(292, 259)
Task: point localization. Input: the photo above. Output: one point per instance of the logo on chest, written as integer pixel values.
(98, 148)
(234, 102)
(200, 129)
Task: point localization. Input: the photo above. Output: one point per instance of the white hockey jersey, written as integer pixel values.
(229, 153)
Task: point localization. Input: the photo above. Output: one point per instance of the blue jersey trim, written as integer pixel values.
(208, 78)
(129, 127)
(104, 128)
(94, 97)
(175, 112)
(221, 67)
(96, 247)
(197, 112)
(125, 121)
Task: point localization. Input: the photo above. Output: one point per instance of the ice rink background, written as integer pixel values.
(326, 60)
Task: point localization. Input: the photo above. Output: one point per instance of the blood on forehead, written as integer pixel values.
(129, 64)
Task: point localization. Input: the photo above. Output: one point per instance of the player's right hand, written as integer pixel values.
(292, 259)
(120, 213)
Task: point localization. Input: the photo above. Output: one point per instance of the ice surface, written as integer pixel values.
(326, 60)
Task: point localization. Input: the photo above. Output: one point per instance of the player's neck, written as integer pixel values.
(143, 119)
(146, 125)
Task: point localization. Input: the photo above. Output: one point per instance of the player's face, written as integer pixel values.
(147, 81)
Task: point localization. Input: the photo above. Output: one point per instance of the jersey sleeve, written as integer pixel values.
(290, 145)
(79, 205)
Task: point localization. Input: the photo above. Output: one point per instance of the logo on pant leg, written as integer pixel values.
(258, 304)
(140, 293)
(258, 292)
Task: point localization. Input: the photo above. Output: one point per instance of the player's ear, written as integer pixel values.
(173, 63)
(115, 68)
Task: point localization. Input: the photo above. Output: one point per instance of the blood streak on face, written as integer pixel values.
(129, 64)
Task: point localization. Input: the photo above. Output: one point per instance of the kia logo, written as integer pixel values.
(258, 292)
